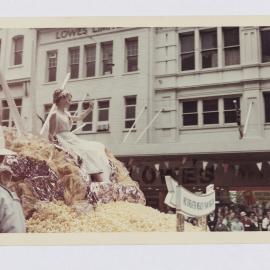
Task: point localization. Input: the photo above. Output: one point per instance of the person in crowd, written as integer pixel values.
(212, 221)
(11, 214)
(237, 225)
(246, 221)
(266, 221)
(220, 226)
(254, 221)
(260, 219)
(12, 219)
(194, 222)
(226, 211)
(93, 154)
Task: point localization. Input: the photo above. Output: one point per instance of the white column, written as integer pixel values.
(200, 113)
(81, 63)
(98, 59)
(197, 49)
(220, 47)
(221, 111)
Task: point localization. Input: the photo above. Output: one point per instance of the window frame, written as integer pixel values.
(128, 56)
(76, 64)
(190, 113)
(263, 29)
(210, 112)
(87, 61)
(265, 117)
(231, 110)
(49, 68)
(72, 112)
(84, 121)
(103, 109)
(9, 120)
(226, 48)
(202, 51)
(182, 34)
(130, 106)
(200, 112)
(17, 52)
(109, 60)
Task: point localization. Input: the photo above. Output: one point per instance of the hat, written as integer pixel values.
(4, 168)
(242, 214)
(3, 150)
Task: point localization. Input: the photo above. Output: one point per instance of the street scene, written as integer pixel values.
(135, 129)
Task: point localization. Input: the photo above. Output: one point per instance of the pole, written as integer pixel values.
(180, 222)
(12, 106)
(247, 120)
(135, 122)
(202, 222)
(78, 128)
(53, 106)
(80, 103)
(65, 81)
(149, 125)
(238, 118)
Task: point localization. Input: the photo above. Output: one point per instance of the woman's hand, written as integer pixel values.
(85, 113)
(91, 105)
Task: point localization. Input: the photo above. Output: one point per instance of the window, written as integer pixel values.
(265, 41)
(230, 109)
(103, 115)
(103, 110)
(187, 51)
(73, 108)
(18, 50)
(107, 57)
(267, 107)
(52, 65)
(6, 116)
(231, 46)
(190, 113)
(130, 112)
(209, 48)
(90, 60)
(210, 111)
(132, 54)
(204, 112)
(88, 120)
(74, 62)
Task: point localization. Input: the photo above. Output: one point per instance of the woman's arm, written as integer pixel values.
(52, 127)
(83, 114)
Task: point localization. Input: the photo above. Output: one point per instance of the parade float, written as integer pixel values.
(57, 196)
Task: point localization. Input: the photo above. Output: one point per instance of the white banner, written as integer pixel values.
(171, 184)
(188, 203)
(191, 204)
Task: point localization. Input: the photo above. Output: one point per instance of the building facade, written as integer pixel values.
(17, 49)
(193, 91)
(210, 84)
(109, 66)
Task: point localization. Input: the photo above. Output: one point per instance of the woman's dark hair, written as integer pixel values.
(58, 94)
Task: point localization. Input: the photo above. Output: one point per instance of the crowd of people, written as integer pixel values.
(240, 218)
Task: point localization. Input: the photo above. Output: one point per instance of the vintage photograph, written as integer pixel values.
(135, 129)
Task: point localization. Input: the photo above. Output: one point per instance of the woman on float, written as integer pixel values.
(93, 155)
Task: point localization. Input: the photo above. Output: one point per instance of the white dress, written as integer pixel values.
(94, 158)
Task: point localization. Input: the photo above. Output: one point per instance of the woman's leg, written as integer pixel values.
(97, 177)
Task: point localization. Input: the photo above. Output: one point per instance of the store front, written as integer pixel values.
(248, 173)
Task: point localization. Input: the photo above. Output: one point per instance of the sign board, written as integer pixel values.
(191, 204)
(188, 203)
